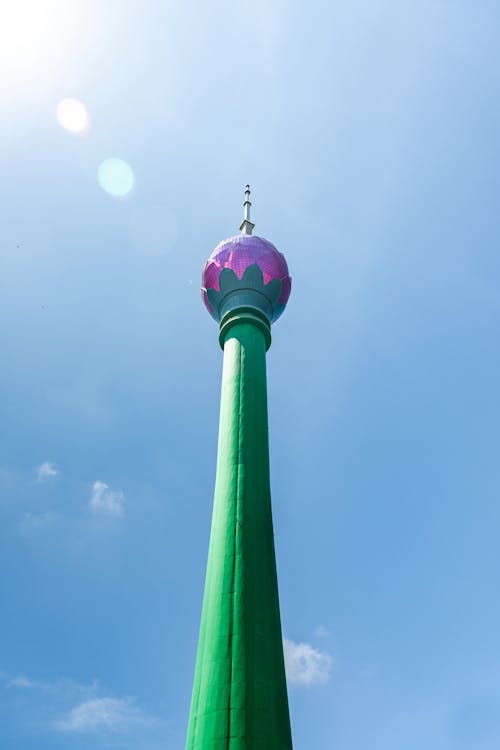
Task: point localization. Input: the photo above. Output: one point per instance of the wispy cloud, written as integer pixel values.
(32, 523)
(83, 711)
(305, 665)
(67, 689)
(104, 714)
(46, 471)
(322, 632)
(105, 501)
(23, 682)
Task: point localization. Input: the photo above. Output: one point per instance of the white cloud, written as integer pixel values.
(304, 664)
(106, 501)
(46, 470)
(103, 714)
(91, 713)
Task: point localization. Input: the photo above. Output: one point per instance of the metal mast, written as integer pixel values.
(246, 225)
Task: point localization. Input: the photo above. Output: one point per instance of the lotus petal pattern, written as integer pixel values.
(238, 253)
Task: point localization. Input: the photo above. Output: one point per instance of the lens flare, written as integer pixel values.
(116, 177)
(72, 115)
(153, 229)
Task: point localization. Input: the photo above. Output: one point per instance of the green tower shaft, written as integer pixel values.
(239, 697)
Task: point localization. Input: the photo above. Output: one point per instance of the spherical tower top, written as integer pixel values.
(248, 271)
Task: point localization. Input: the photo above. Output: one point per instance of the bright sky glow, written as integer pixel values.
(115, 176)
(24, 27)
(36, 39)
(72, 115)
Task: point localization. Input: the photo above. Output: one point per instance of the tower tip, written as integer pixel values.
(246, 225)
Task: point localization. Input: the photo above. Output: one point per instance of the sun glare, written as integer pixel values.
(35, 36)
(72, 115)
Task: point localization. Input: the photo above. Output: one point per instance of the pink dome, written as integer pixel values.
(238, 253)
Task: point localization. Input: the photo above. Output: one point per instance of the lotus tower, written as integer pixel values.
(239, 699)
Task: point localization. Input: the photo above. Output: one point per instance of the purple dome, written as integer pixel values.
(238, 253)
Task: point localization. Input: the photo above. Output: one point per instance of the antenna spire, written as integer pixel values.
(246, 225)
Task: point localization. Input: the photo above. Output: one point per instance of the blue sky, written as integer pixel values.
(369, 133)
